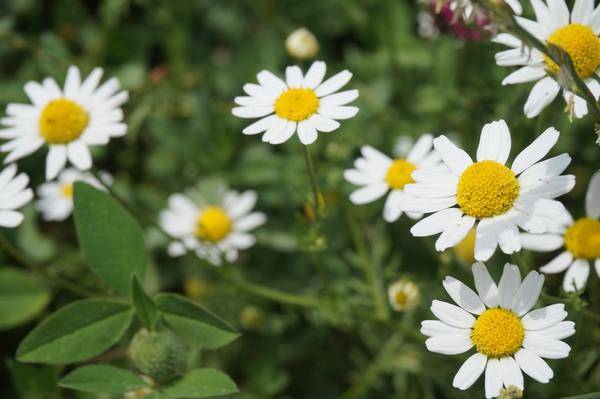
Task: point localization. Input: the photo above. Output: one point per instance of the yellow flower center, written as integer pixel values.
(67, 190)
(582, 239)
(401, 298)
(213, 224)
(582, 45)
(297, 104)
(486, 189)
(400, 174)
(498, 333)
(62, 121)
(465, 250)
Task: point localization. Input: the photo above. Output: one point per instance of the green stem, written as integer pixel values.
(369, 268)
(267, 292)
(140, 215)
(40, 270)
(310, 169)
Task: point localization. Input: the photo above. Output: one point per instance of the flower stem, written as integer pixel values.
(40, 270)
(369, 268)
(312, 179)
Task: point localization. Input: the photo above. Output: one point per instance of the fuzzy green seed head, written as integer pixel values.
(158, 354)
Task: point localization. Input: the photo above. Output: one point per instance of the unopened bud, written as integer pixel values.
(302, 44)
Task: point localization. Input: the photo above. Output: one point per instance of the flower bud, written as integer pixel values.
(158, 354)
(404, 295)
(302, 44)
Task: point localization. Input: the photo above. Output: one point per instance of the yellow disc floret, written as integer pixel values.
(486, 189)
(399, 174)
(67, 190)
(62, 121)
(582, 239)
(582, 45)
(213, 224)
(296, 104)
(498, 333)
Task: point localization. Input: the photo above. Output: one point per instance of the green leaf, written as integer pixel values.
(591, 395)
(193, 323)
(144, 305)
(111, 239)
(77, 332)
(33, 381)
(102, 379)
(22, 297)
(201, 383)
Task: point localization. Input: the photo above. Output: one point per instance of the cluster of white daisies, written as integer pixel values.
(456, 195)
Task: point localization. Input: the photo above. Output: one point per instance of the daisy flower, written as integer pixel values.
(55, 201)
(303, 104)
(378, 175)
(466, 7)
(498, 322)
(580, 239)
(212, 230)
(404, 295)
(489, 195)
(67, 120)
(575, 32)
(13, 195)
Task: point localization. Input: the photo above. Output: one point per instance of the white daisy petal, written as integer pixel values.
(545, 317)
(79, 155)
(534, 366)
(560, 11)
(526, 74)
(261, 125)
(455, 233)
(528, 293)
(392, 208)
(449, 344)
(293, 77)
(456, 160)
(592, 197)
(577, 275)
(536, 29)
(508, 40)
(508, 285)
(452, 314)
(337, 99)
(314, 76)
(72, 82)
(494, 143)
(558, 264)
(493, 378)
(269, 80)
(250, 222)
(511, 373)
(307, 133)
(542, 242)
(486, 288)
(55, 161)
(486, 240)
(561, 330)
(285, 134)
(333, 84)
(464, 297)
(338, 113)
(10, 218)
(434, 328)
(369, 193)
(421, 149)
(542, 170)
(323, 124)
(548, 348)
(542, 94)
(252, 111)
(536, 150)
(436, 223)
(470, 371)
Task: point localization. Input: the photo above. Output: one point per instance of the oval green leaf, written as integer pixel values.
(145, 308)
(77, 332)
(201, 383)
(111, 239)
(102, 379)
(193, 323)
(22, 297)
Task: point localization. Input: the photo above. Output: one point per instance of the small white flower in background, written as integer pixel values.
(302, 44)
(575, 32)
(466, 7)
(497, 320)
(404, 295)
(303, 103)
(580, 238)
(55, 201)
(488, 195)
(13, 195)
(377, 174)
(426, 25)
(212, 230)
(66, 120)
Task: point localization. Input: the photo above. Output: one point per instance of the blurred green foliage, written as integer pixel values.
(183, 62)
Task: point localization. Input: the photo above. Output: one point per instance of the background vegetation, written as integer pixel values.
(183, 63)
